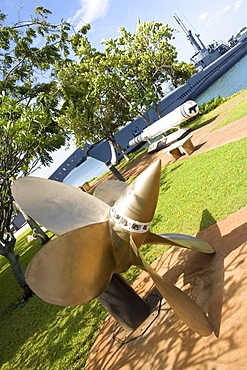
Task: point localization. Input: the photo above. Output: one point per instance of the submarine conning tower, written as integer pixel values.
(203, 55)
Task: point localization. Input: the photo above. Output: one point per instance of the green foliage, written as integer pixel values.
(21, 60)
(144, 61)
(91, 109)
(210, 105)
(29, 106)
(29, 132)
(181, 72)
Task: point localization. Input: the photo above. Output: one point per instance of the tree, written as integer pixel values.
(181, 72)
(105, 90)
(91, 107)
(145, 61)
(28, 111)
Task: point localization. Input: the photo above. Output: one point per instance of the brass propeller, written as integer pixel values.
(99, 240)
(57, 206)
(74, 268)
(188, 311)
(180, 240)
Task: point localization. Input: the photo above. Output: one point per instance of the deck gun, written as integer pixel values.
(171, 120)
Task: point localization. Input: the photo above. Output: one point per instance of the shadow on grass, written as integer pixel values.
(207, 220)
(45, 334)
(200, 123)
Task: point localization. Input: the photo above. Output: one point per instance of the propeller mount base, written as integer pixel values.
(122, 336)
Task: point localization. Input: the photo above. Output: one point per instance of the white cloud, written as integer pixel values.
(203, 16)
(238, 5)
(217, 17)
(89, 11)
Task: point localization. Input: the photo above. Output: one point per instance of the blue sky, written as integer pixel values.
(213, 20)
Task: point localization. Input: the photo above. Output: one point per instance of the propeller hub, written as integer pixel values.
(127, 223)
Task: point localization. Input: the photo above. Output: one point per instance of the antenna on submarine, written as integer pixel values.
(190, 37)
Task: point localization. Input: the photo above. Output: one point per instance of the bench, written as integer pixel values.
(183, 146)
(85, 187)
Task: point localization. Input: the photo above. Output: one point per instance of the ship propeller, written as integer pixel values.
(96, 240)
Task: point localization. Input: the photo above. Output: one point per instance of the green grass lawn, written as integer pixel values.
(194, 194)
(237, 109)
(231, 110)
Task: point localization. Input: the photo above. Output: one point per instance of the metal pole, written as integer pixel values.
(115, 172)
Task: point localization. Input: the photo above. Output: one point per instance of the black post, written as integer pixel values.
(115, 172)
(124, 304)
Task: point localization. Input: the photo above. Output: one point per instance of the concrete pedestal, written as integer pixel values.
(187, 147)
(174, 153)
(183, 146)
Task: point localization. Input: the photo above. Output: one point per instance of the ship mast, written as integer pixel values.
(197, 47)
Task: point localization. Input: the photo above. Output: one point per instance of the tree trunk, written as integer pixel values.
(37, 230)
(124, 154)
(114, 157)
(16, 267)
(119, 148)
(19, 274)
(157, 109)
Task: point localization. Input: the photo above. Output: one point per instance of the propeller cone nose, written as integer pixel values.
(138, 201)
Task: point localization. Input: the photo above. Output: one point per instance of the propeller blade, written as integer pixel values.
(58, 207)
(109, 191)
(180, 240)
(188, 311)
(73, 268)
